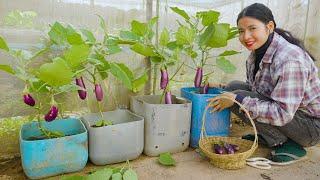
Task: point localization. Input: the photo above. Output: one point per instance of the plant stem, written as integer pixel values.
(190, 67)
(176, 80)
(177, 71)
(206, 57)
(99, 106)
(41, 87)
(92, 75)
(88, 79)
(202, 58)
(209, 73)
(115, 101)
(194, 62)
(80, 71)
(162, 95)
(155, 76)
(43, 131)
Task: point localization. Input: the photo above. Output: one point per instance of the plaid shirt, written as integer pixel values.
(288, 76)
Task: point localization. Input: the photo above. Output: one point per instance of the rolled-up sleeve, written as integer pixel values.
(287, 95)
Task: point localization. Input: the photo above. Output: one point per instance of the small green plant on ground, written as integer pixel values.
(123, 173)
(102, 123)
(166, 159)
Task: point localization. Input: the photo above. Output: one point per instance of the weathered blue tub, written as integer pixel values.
(48, 157)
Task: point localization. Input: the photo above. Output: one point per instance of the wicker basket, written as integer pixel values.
(228, 161)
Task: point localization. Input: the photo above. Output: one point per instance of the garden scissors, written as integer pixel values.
(259, 162)
(264, 163)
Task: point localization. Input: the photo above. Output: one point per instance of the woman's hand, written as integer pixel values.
(220, 103)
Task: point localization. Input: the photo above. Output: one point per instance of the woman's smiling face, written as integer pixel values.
(253, 33)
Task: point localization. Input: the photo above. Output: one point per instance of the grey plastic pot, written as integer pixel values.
(167, 126)
(115, 143)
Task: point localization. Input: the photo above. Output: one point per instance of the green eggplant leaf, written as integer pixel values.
(139, 28)
(153, 21)
(220, 36)
(233, 32)
(101, 174)
(69, 88)
(142, 49)
(229, 53)
(156, 59)
(89, 36)
(122, 74)
(180, 12)
(164, 37)
(7, 69)
(166, 159)
(113, 49)
(73, 37)
(225, 65)
(126, 70)
(102, 23)
(185, 35)
(128, 35)
(57, 73)
(173, 45)
(58, 33)
(206, 35)
(77, 55)
(139, 83)
(116, 176)
(102, 122)
(76, 177)
(130, 174)
(209, 17)
(3, 44)
(101, 64)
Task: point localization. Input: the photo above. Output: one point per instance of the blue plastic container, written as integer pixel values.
(217, 123)
(48, 157)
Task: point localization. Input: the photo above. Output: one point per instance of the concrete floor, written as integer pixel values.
(191, 166)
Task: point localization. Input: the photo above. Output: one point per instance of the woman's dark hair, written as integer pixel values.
(264, 14)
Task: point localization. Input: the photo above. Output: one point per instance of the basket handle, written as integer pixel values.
(203, 130)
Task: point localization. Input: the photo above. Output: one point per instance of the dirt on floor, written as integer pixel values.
(191, 166)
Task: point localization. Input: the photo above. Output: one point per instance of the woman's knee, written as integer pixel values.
(237, 85)
(306, 141)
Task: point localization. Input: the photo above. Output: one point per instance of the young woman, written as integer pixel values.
(282, 91)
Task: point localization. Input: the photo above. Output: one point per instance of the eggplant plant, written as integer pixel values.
(50, 78)
(97, 67)
(162, 55)
(198, 37)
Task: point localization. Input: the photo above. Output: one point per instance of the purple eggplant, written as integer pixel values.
(198, 77)
(168, 97)
(164, 78)
(204, 89)
(99, 92)
(28, 99)
(52, 114)
(82, 93)
(219, 149)
(229, 148)
(235, 147)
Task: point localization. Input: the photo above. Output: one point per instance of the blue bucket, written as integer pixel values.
(49, 157)
(217, 123)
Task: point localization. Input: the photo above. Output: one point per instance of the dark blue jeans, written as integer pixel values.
(303, 129)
